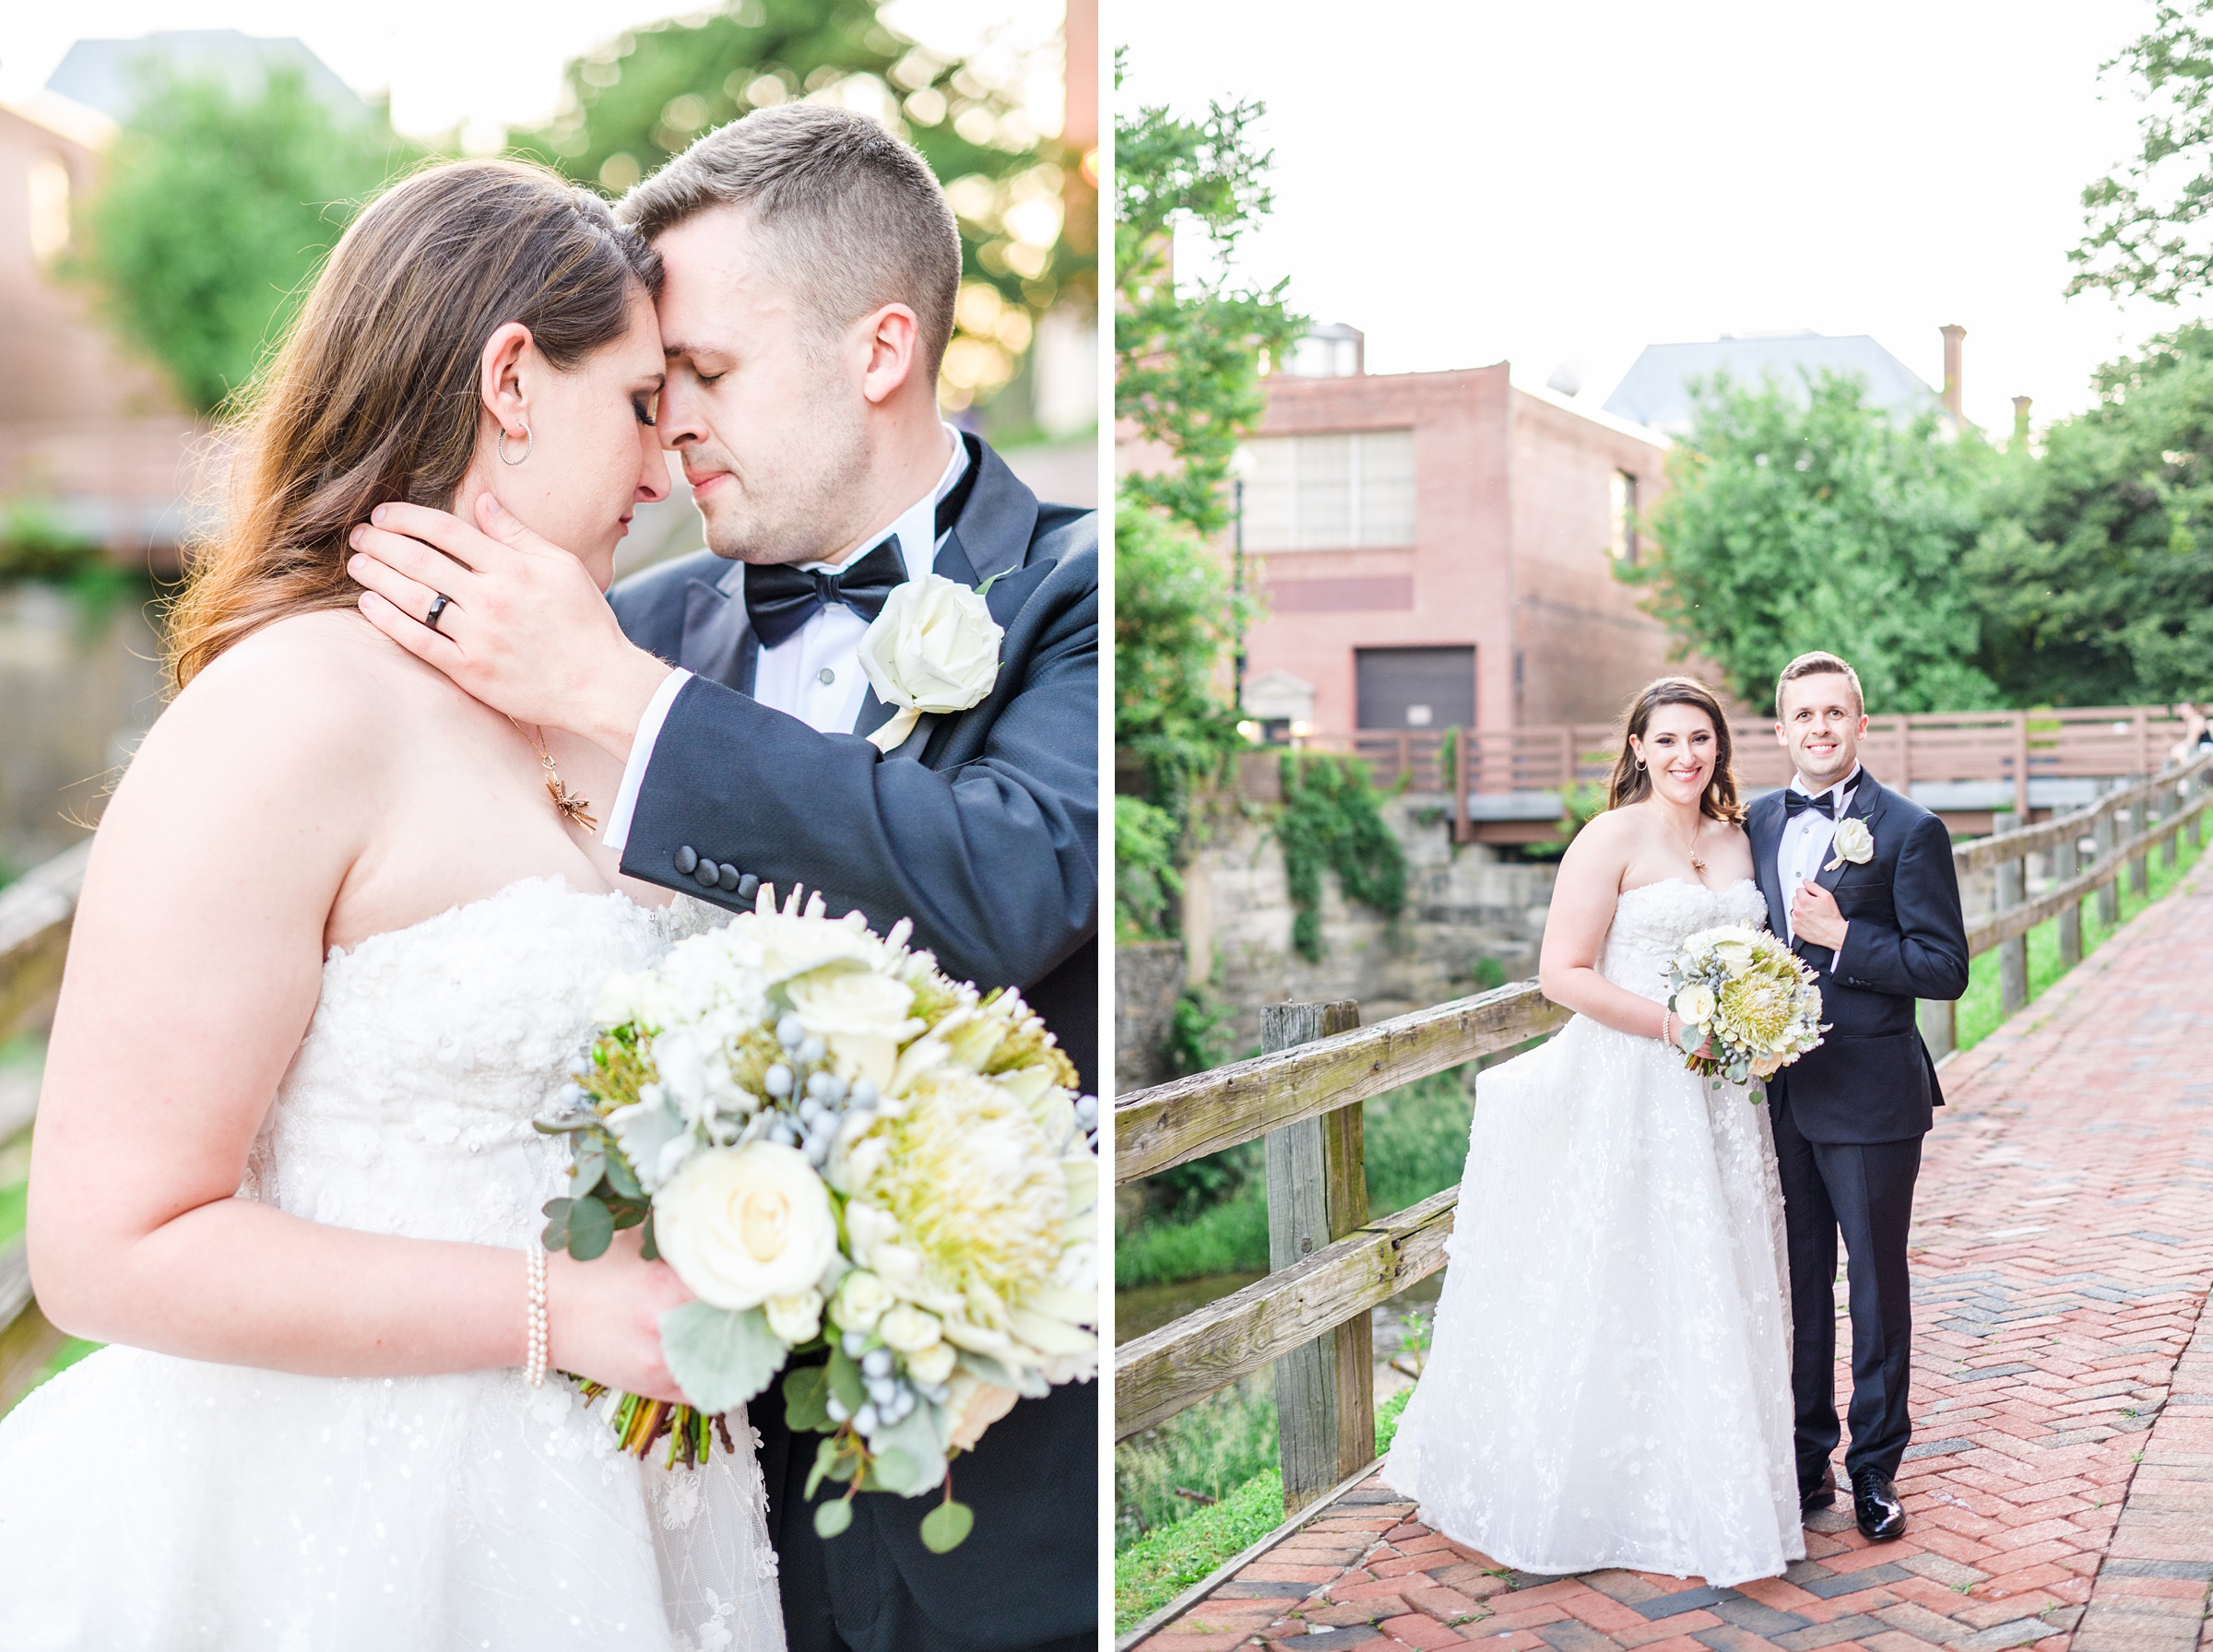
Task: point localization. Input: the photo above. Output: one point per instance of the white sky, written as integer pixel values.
(483, 65)
(1472, 180)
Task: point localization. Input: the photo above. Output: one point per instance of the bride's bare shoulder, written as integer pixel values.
(306, 695)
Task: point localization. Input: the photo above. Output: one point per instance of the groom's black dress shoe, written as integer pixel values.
(1875, 1505)
(1821, 1494)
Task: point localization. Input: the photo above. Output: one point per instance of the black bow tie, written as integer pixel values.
(779, 598)
(1796, 802)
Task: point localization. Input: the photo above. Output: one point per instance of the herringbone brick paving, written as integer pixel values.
(2060, 1485)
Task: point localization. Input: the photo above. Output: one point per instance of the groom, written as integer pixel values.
(1859, 880)
(810, 265)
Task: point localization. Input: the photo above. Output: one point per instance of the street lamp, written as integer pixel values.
(1241, 466)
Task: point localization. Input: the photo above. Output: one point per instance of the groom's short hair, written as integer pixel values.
(856, 217)
(1815, 665)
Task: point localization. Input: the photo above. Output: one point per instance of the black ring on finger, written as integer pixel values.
(437, 609)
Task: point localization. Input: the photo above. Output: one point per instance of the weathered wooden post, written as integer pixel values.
(2067, 860)
(1325, 1392)
(2109, 891)
(2013, 955)
(2139, 865)
(1936, 1026)
(2170, 800)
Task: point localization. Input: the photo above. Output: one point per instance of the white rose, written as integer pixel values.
(1852, 842)
(1694, 1003)
(908, 1329)
(933, 648)
(742, 1224)
(796, 1318)
(861, 1301)
(863, 1017)
(934, 1363)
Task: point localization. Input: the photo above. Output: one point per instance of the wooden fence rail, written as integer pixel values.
(36, 914)
(1304, 1094)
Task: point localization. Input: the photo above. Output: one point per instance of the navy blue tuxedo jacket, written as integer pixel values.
(1872, 1079)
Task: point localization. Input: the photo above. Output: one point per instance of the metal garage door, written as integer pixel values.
(1417, 688)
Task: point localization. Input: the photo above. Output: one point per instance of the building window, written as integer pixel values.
(1340, 492)
(1623, 544)
(1416, 688)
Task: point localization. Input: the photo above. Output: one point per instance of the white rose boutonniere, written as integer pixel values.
(933, 648)
(1854, 841)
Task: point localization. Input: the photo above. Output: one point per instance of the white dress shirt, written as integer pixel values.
(1806, 836)
(814, 674)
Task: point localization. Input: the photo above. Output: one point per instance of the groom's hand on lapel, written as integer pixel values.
(525, 630)
(1815, 916)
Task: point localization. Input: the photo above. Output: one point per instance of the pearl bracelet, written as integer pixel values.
(534, 1364)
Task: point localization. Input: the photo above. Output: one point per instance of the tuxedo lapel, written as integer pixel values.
(1766, 832)
(1866, 802)
(719, 643)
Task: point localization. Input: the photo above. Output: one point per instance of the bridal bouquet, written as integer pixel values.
(1751, 998)
(838, 1148)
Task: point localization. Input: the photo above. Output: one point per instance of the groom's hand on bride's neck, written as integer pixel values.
(525, 628)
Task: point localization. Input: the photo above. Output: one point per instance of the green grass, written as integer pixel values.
(1416, 1143)
(1157, 1567)
(1981, 1010)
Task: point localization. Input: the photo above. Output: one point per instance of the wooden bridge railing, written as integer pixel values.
(1332, 1264)
(1905, 749)
(36, 914)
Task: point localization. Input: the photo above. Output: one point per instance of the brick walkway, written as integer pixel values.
(2060, 1488)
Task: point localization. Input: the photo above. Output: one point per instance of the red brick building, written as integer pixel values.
(1438, 549)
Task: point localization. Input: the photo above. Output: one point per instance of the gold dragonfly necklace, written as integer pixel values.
(574, 809)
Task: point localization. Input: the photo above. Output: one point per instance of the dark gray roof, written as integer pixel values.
(1656, 389)
(103, 75)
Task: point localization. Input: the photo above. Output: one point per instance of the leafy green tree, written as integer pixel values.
(1189, 350)
(217, 208)
(2096, 572)
(2148, 230)
(1800, 522)
(1026, 214)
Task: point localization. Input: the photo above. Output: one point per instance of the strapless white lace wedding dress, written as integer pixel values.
(149, 1503)
(1610, 1379)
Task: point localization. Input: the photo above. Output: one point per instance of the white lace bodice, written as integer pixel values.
(1651, 921)
(407, 1107)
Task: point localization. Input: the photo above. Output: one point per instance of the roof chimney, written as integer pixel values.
(2020, 418)
(1952, 394)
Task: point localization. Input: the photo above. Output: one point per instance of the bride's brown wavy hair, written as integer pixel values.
(373, 395)
(1632, 782)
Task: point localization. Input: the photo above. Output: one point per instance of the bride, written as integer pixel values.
(1610, 1382)
(337, 948)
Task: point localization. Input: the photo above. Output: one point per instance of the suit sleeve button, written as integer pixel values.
(747, 887)
(707, 873)
(728, 878)
(687, 858)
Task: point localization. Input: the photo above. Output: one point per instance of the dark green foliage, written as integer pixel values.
(217, 209)
(1189, 350)
(2147, 225)
(1800, 522)
(1173, 622)
(2097, 569)
(1331, 821)
(1146, 883)
(1195, 1041)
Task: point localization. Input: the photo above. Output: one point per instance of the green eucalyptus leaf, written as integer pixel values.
(806, 1388)
(621, 1178)
(832, 1518)
(826, 1455)
(590, 1165)
(844, 1381)
(556, 1236)
(591, 1229)
(946, 1526)
(628, 1214)
(652, 1251)
(719, 1357)
(910, 1457)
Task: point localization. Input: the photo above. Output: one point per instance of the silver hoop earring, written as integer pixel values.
(529, 441)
